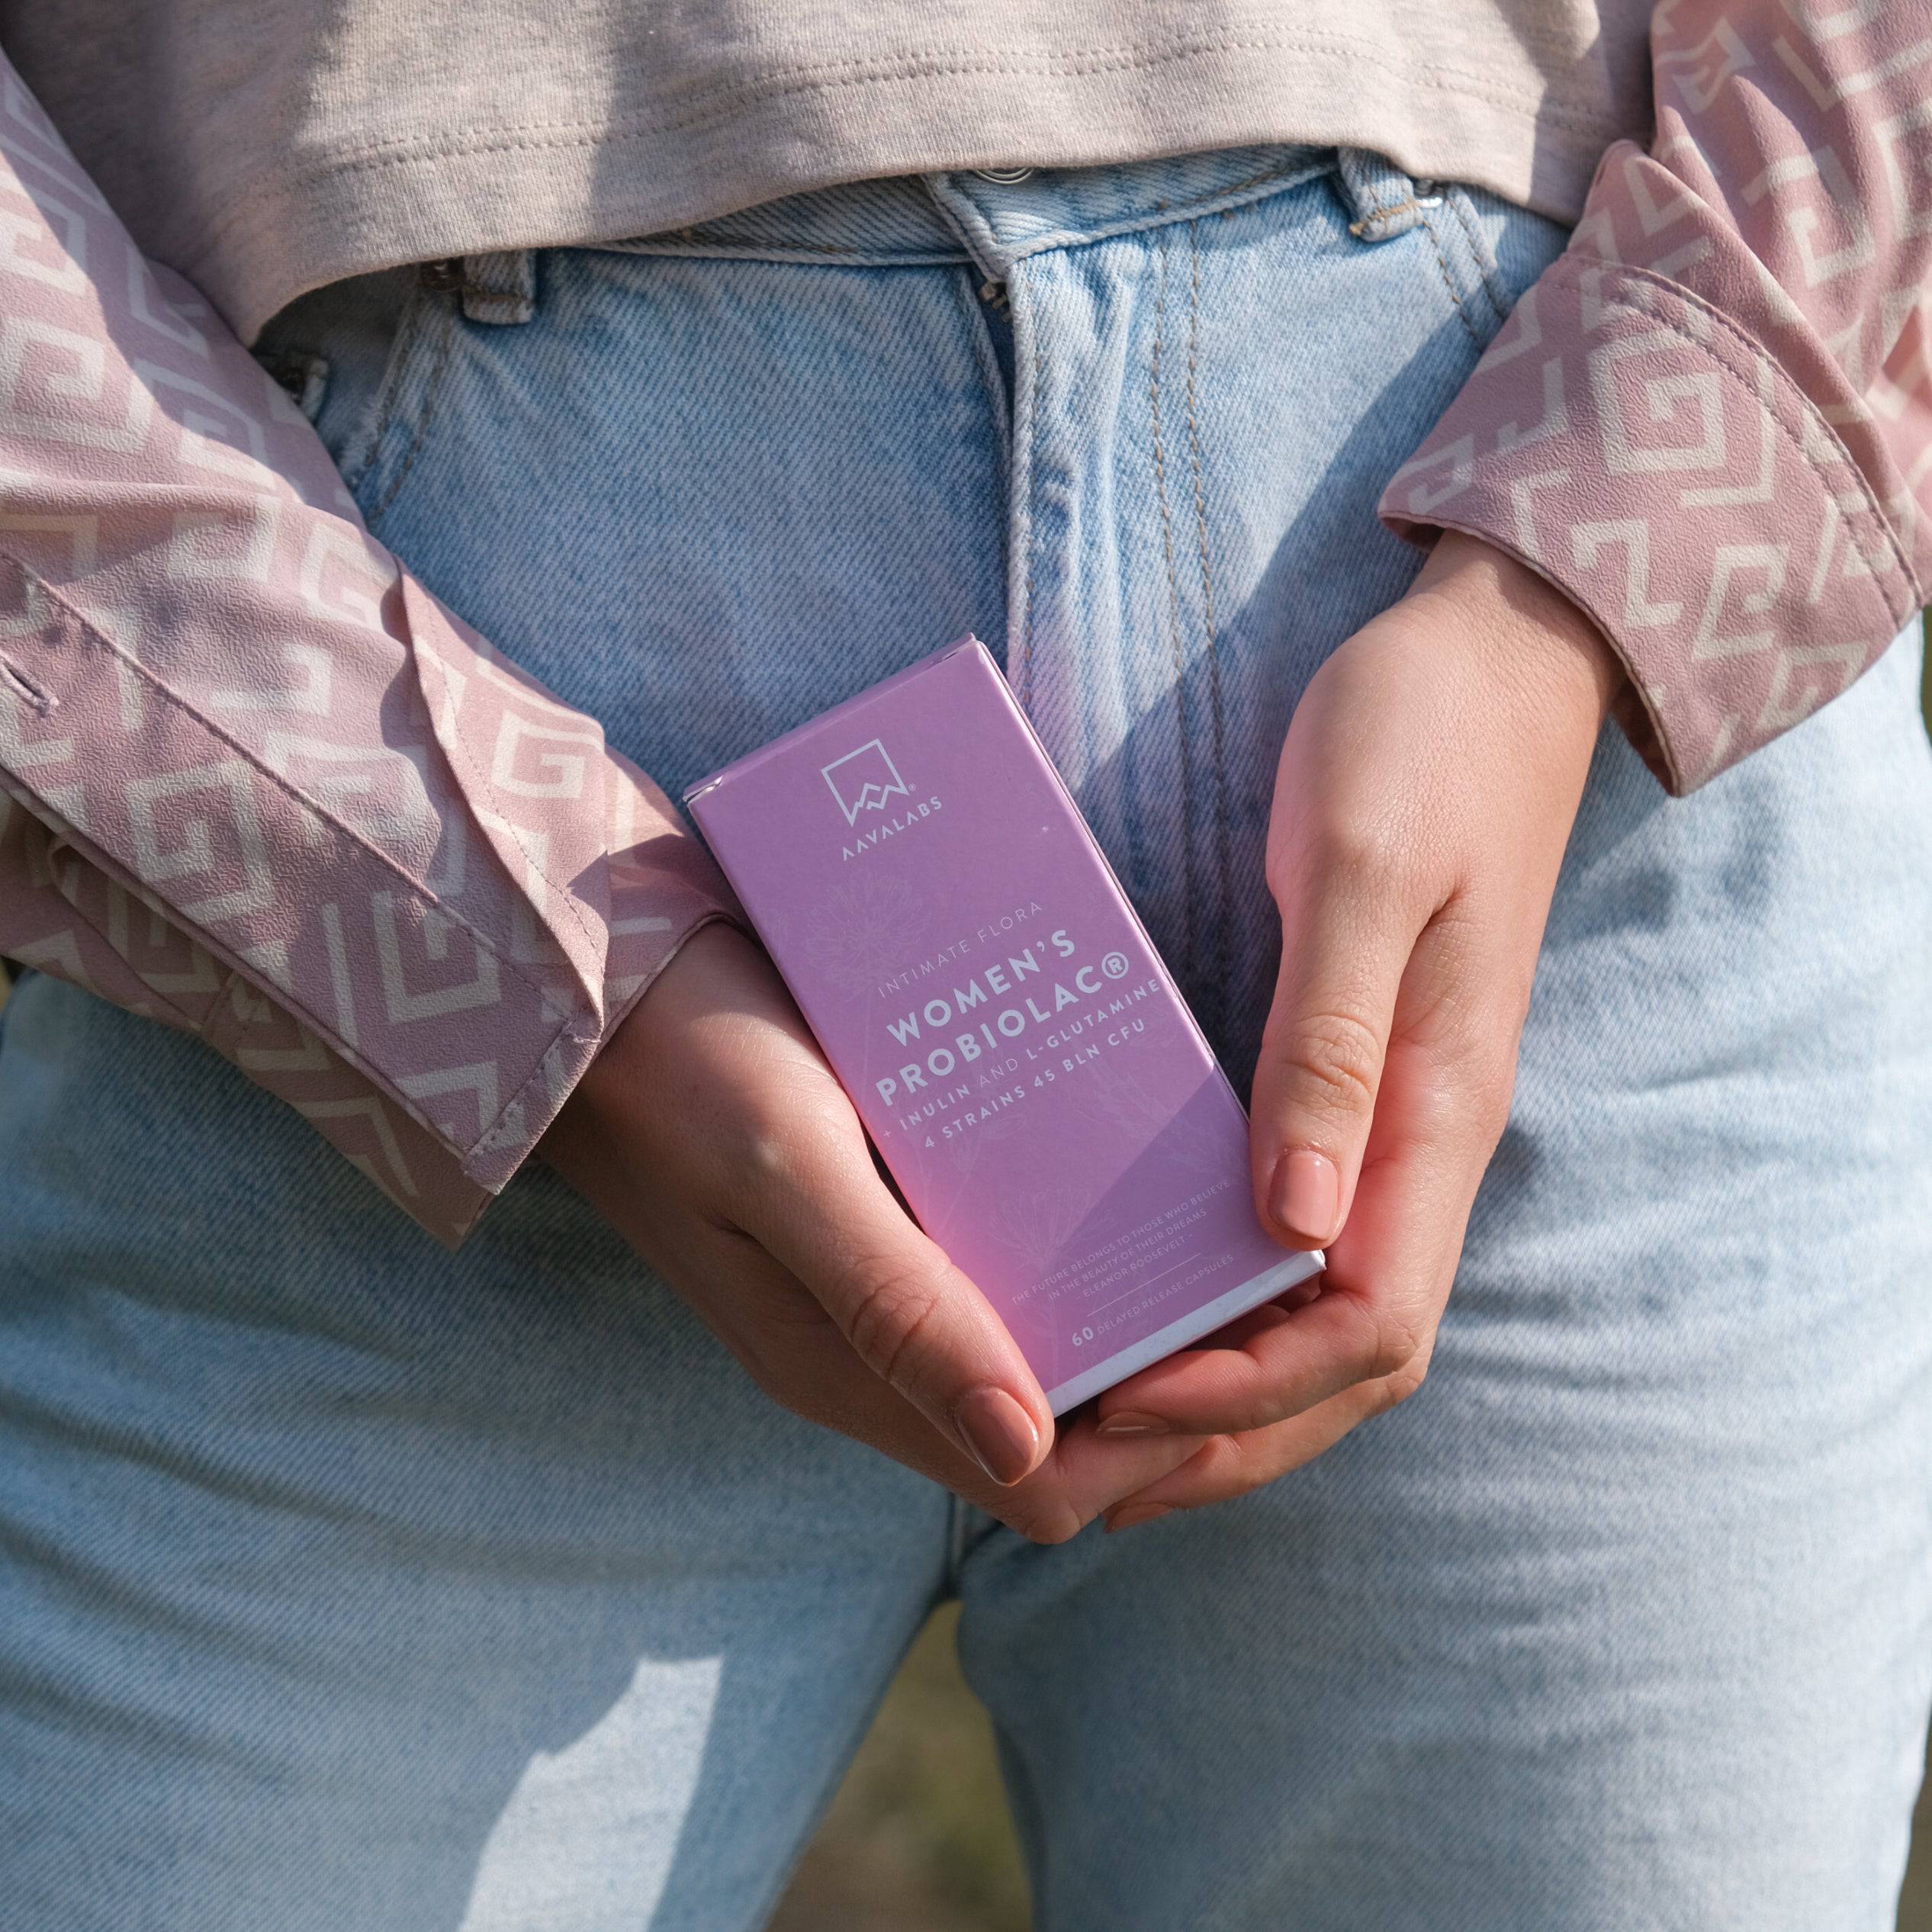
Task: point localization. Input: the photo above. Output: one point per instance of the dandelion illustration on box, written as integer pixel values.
(856, 935)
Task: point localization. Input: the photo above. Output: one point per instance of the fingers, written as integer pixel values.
(1086, 1474)
(1226, 1467)
(912, 1318)
(755, 1196)
(1346, 935)
(783, 1335)
(1340, 1340)
(1442, 1100)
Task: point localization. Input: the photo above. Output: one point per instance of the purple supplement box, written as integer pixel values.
(1017, 1050)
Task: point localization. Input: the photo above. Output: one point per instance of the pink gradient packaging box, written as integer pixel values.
(981, 985)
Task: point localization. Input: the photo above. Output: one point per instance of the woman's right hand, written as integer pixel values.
(712, 1134)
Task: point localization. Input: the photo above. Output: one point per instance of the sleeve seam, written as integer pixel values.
(449, 748)
(301, 803)
(1784, 386)
(83, 847)
(62, 841)
(496, 1137)
(1716, 353)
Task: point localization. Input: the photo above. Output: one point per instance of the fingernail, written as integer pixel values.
(1129, 1421)
(1307, 1198)
(999, 1433)
(1130, 1513)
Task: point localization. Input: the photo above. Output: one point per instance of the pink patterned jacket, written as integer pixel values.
(256, 782)
(1710, 421)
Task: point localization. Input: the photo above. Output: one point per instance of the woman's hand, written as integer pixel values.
(710, 1132)
(1422, 803)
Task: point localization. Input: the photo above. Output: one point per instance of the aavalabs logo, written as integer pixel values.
(863, 781)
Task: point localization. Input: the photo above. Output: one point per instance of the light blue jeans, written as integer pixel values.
(349, 1586)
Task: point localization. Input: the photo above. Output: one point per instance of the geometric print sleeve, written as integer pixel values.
(1709, 423)
(255, 781)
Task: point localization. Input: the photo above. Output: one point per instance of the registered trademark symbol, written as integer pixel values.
(1114, 965)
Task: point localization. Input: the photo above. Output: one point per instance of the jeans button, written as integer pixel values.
(1003, 175)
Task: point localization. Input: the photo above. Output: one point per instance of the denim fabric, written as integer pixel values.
(346, 1584)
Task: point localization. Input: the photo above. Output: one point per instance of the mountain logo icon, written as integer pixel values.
(863, 781)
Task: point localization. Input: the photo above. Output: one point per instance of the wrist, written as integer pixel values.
(605, 1097)
(1520, 618)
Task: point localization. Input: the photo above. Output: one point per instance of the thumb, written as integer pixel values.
(910, 1315)
(1345, 942)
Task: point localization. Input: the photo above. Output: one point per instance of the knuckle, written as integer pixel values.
(1260, 1410)
(1047, 1521)
(1490, 1103)
(1362, 854)
(1395, 1346)
(1335, 1059)
(1404, 1382)
(777, 1153)
(884, 1309)
(1220, 1466)
(1478, 1032)
(1473, 1096)
(766, 1160)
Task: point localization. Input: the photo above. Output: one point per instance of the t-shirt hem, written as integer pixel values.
(476, 191)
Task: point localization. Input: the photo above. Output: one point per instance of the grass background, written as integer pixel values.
(917, 1839)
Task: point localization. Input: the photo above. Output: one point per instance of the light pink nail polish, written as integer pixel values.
(998, 1432)
(1130, 1422)
(1307, 1198)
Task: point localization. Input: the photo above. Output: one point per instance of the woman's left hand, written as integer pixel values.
(1422, 803)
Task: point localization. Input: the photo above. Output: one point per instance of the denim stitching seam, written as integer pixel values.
(1223, 833)
(1488, 270)
(365, 447)
(986, 358)
(1023, 470)
(1449, 283)
(432, 391)
(1386, 213)
(1174, 606)
(1245, 192)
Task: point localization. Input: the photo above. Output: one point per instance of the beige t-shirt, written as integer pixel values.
(263, 147)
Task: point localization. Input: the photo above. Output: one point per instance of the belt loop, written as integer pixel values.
(1386, 202)
(500, 288)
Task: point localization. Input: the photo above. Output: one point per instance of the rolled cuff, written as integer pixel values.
(1632, 445)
